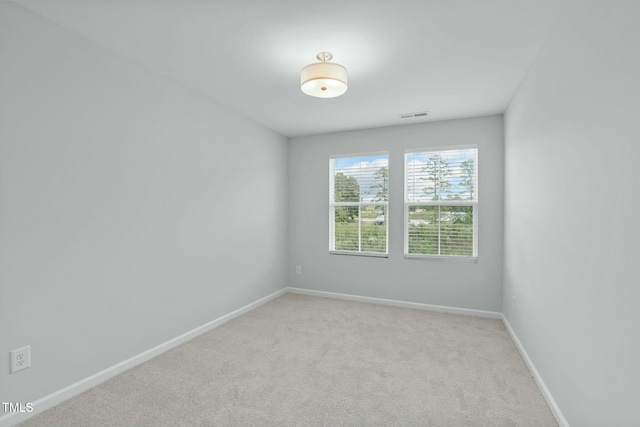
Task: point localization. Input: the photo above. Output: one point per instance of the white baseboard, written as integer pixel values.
(405, 304)
(72, 390)
(55, 398)
(555, 409)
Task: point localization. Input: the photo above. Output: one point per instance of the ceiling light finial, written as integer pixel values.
(324, 79)
(324, 56)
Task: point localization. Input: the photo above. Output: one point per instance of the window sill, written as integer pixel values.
(467, 259)
(366, 254)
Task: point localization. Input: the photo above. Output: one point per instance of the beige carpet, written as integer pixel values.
(301, 360)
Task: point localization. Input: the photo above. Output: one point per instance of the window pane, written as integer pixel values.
(373, 229)
(361, 178)
(364, 233)
(441, 230)
(347, 188)
(442, 175)
(346, 228)
(423, 230)
(456, 230)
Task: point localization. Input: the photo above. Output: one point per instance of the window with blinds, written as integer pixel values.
(441, 203)
(358, 204)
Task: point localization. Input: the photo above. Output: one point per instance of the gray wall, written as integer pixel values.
(457, 284)
(571, 210)
(131, 210)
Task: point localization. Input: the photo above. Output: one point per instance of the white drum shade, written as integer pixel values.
(324, 80)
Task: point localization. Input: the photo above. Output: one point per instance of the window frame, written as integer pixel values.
(442, 203)
(333, 204)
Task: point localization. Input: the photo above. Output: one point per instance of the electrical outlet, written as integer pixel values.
(298, 269)
(20, 359)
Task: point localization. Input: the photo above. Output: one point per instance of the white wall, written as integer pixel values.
(572, 200)
(457, 284)
(131, 210)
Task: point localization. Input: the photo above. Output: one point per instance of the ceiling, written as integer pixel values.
(453, 58)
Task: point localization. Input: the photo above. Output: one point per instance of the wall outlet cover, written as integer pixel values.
(20, 359)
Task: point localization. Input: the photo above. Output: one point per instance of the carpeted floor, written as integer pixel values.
(301, 360)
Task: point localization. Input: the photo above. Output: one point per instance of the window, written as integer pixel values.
(358, 204)
(441, 203)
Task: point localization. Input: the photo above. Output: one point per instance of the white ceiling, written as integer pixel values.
(453, 58)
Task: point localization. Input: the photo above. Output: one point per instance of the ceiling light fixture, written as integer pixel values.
(324, 79)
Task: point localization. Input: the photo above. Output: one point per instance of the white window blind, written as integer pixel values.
(441, 203)
(358, 204)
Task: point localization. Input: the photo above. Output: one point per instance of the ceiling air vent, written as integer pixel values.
(412, 115)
